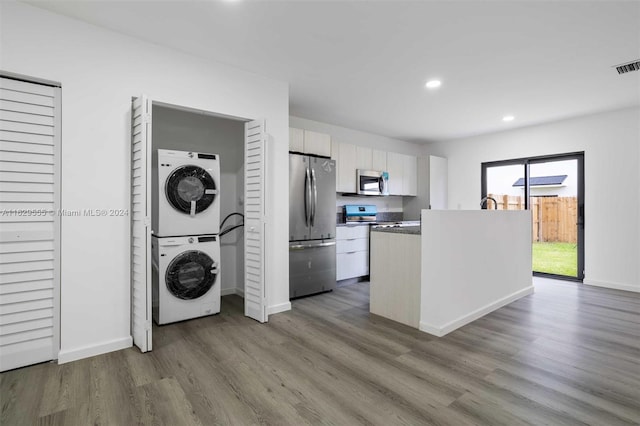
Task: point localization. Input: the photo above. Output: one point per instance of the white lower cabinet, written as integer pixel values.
(352, 251)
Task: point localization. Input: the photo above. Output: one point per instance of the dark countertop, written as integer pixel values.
(410, 230)
(380, 222)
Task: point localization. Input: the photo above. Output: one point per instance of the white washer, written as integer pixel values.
(187, 197)
(186, 277)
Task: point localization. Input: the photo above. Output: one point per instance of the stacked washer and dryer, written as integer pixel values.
(185, 244)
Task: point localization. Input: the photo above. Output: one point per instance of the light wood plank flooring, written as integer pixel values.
(568, 354)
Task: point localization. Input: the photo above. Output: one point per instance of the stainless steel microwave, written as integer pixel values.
(372, 182)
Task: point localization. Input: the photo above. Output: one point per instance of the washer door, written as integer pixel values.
(190, 189)
(191, 274)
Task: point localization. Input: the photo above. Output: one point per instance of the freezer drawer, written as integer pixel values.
(312, 268)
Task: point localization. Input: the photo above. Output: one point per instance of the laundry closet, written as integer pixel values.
(194, 224)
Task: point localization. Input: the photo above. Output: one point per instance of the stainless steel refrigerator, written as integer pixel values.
(312, 225)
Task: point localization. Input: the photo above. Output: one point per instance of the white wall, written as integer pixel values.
(100, 71)
(611, 143)
(189, 131)
(360, 138)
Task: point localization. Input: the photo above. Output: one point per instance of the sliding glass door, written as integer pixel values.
(552, 187)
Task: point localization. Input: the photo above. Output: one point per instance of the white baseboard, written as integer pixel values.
(92, 350)
(478, 313)
(228, 291)
(282, 307)
(614, 286)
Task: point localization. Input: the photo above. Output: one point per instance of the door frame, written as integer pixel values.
(155, 102)
(526, 162)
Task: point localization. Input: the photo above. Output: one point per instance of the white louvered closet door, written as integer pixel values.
(141, 223)
(254, 220)
(29, 220)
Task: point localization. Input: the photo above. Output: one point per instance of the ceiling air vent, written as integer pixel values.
(628, 67)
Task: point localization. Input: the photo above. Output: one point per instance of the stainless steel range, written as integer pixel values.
(360, 213)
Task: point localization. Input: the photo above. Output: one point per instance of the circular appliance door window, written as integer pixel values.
(190, 275)
(190, 189)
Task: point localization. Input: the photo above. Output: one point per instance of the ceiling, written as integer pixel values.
(363, 64)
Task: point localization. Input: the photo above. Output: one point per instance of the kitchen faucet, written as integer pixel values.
(484, 202)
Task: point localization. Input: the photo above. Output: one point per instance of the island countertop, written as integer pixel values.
(411, 230)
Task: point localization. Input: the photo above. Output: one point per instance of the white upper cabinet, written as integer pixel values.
(403, 169)
(363, 158)
(317, 143)
(296, 140)
(379, 160)
(438, 186)
(410, 176)
(395, 164)
(403, 174)
(309, 142)
(346, 163)
(335, 150)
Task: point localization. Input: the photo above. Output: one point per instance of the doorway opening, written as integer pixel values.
(197, 215)
(552, 187)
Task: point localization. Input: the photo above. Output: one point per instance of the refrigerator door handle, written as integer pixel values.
(315, 196)
(307, 197)
(311, 246)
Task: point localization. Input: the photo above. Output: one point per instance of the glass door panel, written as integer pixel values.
(553, 197)
(502, 189)
(552, 187)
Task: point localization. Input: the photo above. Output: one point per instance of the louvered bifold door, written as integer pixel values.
(29, 223)
(254, 220)
(141, 223)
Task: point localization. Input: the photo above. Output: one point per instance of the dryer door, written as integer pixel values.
(191, 274)
(190, 189)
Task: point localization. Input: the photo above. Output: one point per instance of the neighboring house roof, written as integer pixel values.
(542, 180)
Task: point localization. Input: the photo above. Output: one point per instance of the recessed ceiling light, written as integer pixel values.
(433, 84)
(508, 118)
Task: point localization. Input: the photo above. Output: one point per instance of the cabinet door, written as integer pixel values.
(296, 139)
(351, 232)
(395, 164)
(410, 175)
(379, 160)
(335, 150)
(347, 168)
(363, 158)
(335, 155)
(317, 143)
(352, 264)
(438, 187)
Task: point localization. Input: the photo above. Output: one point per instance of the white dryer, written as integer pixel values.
(186, 193)
(186, 277)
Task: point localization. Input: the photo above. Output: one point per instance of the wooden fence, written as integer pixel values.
(554, 218)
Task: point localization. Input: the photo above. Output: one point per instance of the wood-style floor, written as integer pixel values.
(568, 354)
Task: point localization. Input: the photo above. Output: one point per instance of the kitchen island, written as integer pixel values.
(457, 267)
